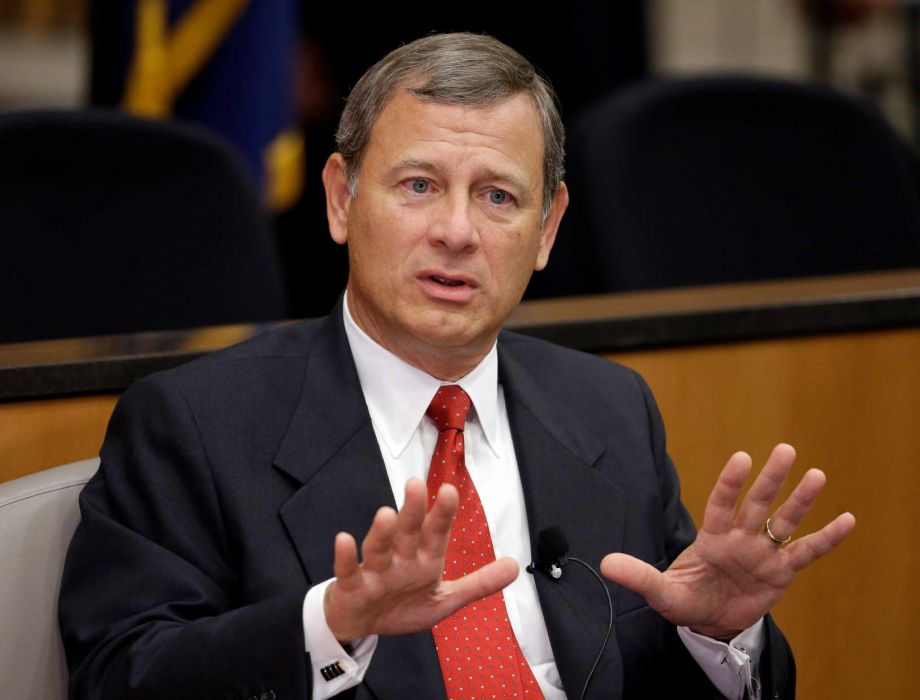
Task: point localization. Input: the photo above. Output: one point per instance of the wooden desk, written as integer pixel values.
(831, 366)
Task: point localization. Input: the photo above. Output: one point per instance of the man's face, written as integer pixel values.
(446, 228)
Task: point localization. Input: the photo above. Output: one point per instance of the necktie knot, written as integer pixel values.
(449, 408)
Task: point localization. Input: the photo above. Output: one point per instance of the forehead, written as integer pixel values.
(508, 133)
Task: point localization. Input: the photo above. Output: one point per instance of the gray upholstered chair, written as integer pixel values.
(38, 516)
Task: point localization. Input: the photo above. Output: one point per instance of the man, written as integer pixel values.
(214, 559)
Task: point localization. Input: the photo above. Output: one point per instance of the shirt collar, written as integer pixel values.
(397, 394)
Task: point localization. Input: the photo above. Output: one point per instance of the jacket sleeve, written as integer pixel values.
(150, 604)
(777, 665)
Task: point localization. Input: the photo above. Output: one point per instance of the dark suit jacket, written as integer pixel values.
(224, 482)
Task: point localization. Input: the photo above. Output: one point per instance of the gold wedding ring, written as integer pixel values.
(773, 538)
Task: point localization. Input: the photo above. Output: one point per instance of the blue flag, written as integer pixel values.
(228, 65)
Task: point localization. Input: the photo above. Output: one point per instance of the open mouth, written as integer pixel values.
(445, 281)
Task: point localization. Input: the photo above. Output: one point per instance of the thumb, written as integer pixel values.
(638, 576)
(488, 580)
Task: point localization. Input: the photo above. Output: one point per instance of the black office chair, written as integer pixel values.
(112, 224)
(722, 179)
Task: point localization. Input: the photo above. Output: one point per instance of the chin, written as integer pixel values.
(444, 337)
(447, 332)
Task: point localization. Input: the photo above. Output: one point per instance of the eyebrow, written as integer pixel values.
(411, 164)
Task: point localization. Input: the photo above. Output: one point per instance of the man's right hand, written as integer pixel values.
(397, 588)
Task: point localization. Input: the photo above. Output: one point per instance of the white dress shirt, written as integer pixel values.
(397, 396)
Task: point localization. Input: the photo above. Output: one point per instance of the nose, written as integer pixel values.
(453, 226)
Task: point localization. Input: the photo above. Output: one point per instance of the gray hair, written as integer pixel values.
(455, 69)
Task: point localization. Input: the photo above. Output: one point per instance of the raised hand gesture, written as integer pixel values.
(738, 567)
(397, 587)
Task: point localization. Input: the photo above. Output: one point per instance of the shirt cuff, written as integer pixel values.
(334, 668)
(732, 667)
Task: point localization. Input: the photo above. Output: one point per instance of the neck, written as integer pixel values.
(439, 367)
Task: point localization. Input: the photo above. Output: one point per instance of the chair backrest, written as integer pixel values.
(38, 516)
(114, 224)
(721, 179)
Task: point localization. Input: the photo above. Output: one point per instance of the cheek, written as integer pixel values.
(372, 237)
(516, 255)
(385, 254)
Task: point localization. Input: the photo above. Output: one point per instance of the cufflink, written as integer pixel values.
(333, 670)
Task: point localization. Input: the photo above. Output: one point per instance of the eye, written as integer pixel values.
(499, 197)
(419, 186)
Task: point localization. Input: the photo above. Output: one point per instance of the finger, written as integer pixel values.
(638, 576)
(410, 519)
(345, 565)
(720, 508)
(787, 517)
(806, 550)
(436, 527)
(377, 547)
(481, 583)
(759, 499)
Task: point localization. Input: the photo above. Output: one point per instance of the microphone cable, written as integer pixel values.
(596, 575)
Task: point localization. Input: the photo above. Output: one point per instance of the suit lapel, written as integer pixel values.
(331, 450)
(555, 456)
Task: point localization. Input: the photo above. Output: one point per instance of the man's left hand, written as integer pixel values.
(734, 573)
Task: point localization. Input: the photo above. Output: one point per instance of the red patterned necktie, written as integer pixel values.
(479, 654)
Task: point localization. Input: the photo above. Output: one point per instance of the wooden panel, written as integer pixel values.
(605, 323)
(851, 406)
(36, 435)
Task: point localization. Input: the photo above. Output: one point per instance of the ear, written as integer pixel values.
(551, 225)
(338, 198)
